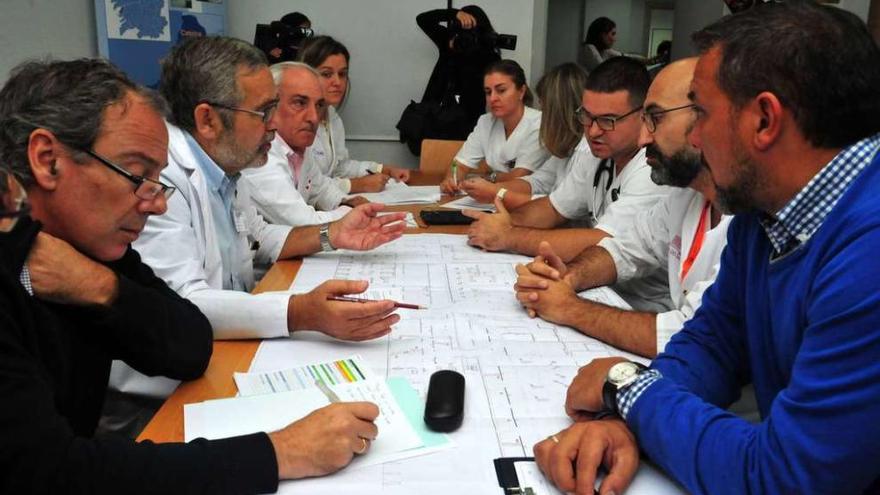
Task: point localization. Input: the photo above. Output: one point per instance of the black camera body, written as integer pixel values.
(280, 35)
(471, 39)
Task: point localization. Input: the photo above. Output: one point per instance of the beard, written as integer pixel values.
(738, 197)
(678, 170)
(233, 156)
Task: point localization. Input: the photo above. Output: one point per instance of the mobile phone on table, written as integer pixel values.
(445, 217)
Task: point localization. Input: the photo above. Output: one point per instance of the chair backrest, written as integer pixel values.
(437, 154)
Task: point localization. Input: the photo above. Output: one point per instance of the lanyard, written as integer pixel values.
(699, 235)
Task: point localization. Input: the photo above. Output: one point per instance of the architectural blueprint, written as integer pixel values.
(517, 369)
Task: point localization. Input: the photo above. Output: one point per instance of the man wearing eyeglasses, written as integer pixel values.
(285, 189)
(223, 102)
(794, 309)
(605, 195)
(682, 236)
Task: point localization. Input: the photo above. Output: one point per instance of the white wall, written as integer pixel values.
(36, 28)
(391, 59)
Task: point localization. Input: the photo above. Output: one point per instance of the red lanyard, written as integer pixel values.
(699, 235)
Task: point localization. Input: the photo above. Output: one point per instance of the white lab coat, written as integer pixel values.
(662, 237)
(553, 172)
(522, 149)
(281, 200)
(330, 155)
(182, 248)
(576, 199)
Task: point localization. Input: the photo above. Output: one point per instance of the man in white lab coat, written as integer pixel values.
(683, 235)
(223, 101)
(291, 189)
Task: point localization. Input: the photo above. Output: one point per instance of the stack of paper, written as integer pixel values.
(398, 193)
(272, 400)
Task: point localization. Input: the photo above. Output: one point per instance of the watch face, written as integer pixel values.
(622, 372)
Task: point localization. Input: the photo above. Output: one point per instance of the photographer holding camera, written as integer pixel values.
(280, 40)
(468, 44)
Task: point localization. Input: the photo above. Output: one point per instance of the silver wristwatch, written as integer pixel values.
(324, 237)
(620, 376)
(492, 177)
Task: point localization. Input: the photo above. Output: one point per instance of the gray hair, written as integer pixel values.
(204, 70)
(67, 98)
(279, 68)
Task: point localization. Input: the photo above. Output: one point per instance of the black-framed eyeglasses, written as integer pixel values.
(605, 122)
(145, 188)
(13, 201)
(265, 114)
(651, 118)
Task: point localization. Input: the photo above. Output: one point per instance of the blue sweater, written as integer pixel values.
(805, 329)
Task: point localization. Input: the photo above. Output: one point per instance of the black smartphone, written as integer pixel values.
(444, 217)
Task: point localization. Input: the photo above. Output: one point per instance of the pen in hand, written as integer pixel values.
(361, 300)
(331, 395)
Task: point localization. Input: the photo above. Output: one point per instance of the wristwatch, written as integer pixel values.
(492, 177)
(620, 376)
(324, 237)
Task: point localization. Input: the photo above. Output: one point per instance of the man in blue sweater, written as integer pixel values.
(787, 97)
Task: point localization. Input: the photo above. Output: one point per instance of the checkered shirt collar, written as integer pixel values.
(798, 220)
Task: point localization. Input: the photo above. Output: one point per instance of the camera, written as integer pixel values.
(471, 39)
(280, 35)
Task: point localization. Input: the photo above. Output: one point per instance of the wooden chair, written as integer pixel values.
(437, 154)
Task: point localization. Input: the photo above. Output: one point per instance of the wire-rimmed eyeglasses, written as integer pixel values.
(145, 188)
(651, 118)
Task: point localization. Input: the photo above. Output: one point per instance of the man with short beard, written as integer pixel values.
(684, 234)
(223, 102)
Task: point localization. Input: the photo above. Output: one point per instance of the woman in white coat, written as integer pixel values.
(506, 137)
(331, 58)
(560, 92)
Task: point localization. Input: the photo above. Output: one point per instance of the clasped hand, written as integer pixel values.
(545, 287)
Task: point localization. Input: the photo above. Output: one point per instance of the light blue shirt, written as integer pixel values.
(221, 194)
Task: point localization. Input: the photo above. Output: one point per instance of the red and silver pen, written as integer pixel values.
(361, 300)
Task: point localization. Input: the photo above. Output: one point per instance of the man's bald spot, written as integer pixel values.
(672, 83)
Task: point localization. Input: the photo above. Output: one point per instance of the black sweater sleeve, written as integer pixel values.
(150, 327)
(41, 454)
(430, 21)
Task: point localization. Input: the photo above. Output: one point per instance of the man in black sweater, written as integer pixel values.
(87, 146)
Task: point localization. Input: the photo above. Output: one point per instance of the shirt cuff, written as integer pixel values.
(628, 396)
(345, 185)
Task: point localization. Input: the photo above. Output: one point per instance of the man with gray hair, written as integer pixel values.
(88, 145)
(285, 188)
(223, 103)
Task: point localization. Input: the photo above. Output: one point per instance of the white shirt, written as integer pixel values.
(330, 156)
(547, 178)
(522, 149)
(662, 237)
(611, 206)
(282, 199)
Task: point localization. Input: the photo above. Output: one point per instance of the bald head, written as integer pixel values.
(669, 119)
(670, 87)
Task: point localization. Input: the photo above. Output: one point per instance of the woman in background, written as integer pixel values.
(507, 137)
(331, 58)
(560, 92)
(597, 46)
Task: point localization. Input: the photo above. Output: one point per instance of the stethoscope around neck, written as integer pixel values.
(606, 167)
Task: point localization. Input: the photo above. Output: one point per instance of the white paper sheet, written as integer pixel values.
(468, 203)
(399, 193)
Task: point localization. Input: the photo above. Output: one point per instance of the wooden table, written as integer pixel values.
(231, 356)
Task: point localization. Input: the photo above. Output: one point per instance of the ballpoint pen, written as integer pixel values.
(361, 300)
(331, 395)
